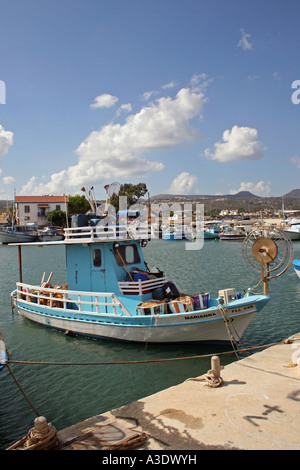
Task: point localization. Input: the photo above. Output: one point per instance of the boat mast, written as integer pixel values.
(13, 213)
(20, 263)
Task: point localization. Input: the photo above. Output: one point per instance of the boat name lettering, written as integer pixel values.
(241, 309)
(191, 317)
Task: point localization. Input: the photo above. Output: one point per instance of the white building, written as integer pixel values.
(226, 212)
(34, 209)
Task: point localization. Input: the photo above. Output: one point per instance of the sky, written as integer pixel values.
(189, 97)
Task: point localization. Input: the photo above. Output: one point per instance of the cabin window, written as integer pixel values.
(127, 254)
(97, 258)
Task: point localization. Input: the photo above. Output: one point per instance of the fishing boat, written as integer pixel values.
(173, 235)
(296, 264)
(233, 233)
(110, 293)
(50, 233)
(292, 230)
(3, 353)
(232, 236)
(177, 232)
(18, 233)
(212, 231)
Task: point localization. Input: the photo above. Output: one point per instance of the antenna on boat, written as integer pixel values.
(270, 250)
(111, 189)
(90, 195)
(14, 211)
(66, 207)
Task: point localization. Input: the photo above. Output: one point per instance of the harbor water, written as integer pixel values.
(66, 393)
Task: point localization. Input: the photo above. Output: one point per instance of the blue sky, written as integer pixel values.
(190, 97)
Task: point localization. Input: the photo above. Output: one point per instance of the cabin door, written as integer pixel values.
(98, 275)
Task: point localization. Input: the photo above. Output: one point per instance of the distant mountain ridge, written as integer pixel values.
(294, 194)
(242, 194)
(241, 201)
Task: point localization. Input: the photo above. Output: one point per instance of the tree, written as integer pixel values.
(133, 192)
(56, 218)
(77, 205)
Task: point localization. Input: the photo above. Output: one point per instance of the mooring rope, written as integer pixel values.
(230, 329)
(21, 389)
(202, 356)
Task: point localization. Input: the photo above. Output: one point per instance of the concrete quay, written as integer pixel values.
(257, 407)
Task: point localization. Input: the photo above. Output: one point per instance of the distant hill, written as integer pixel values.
(242, 195)
(239, 195)
(243, 200)
(5, 203)
(294, 194)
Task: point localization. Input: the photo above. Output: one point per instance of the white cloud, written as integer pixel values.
(244, 42)
(8, 179)
(200, 81)
(296, 161)
(276, 76)
(29, 187)
(6, 141)
(261, 188)
(185, 183)
(124, 108)
(169, 85)
(104, 101)
(116, 151)
(148, 94)
(238, 144)
(252, 78)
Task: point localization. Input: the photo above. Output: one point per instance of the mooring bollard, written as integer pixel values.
(213, 376)
(215, 366)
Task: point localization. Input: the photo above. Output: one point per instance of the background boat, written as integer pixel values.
(293, 232)
(50, 233)
(18, 234)
(296, 264)
(232, 235)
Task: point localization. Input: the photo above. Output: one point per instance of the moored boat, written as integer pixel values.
(237, 232)
(3, 353)
(293, 231)
(50, 233)
(110, 293)
(296, 264)
(232, 236)
(18, 234)
(211, 233)
(177, 232)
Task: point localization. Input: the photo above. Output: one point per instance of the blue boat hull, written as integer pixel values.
(296, 264)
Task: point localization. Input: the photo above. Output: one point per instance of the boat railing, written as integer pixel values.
(105, 233)
(140, 287)
(87, 302)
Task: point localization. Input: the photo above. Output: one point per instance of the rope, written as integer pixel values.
(211, 378)
(42, 436)
(15, 379)
(284, 292)
(229, 326)
(203, 356)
